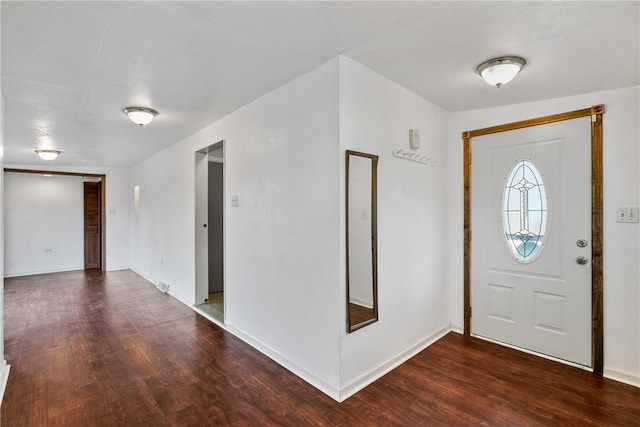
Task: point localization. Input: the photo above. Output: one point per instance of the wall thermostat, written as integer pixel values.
(414, 139)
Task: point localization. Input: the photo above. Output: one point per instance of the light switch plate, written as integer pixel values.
(627, 215)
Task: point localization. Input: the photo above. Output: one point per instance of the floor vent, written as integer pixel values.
(163, 287)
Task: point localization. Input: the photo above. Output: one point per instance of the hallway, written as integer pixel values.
(109, 349)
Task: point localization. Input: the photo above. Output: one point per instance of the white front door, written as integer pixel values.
(531, 238)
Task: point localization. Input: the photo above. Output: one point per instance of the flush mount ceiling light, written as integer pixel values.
(47, 154)
(500, 71)
(140, 115)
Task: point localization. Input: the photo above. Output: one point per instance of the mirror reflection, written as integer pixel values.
(361, 226)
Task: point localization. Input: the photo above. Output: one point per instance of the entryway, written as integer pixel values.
(533, 264)
(210, 231)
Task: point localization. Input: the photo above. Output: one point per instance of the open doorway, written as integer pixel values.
(210, 231)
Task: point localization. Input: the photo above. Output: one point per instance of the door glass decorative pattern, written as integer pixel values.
(524, 211)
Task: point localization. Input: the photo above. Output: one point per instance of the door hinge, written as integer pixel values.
(469, 311)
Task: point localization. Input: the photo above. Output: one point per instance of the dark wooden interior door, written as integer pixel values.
(92, 225)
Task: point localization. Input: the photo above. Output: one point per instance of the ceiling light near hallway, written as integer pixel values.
(140, 115)
(500, 71)
(47, 154)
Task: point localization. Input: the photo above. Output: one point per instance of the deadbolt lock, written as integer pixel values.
(581, 243)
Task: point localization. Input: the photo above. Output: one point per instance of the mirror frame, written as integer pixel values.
(374, 237)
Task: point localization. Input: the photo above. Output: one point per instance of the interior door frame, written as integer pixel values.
(201, 235)
(103, 204)
(87, 184)
(597, 283)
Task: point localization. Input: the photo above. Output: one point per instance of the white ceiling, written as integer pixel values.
(68, 68)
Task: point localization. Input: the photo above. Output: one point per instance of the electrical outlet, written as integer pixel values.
(627, 215)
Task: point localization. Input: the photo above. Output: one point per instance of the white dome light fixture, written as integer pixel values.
(48, 154)
(140, 115)
(500, 71)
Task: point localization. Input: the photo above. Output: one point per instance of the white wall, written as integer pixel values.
(162, 247)
(621, 189)
(375, 117)
(118, 202)
(44, 224)
(285, 272)
(282, 262)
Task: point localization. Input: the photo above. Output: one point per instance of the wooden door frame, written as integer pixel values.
(597, 283)
(103, 188)
(91, 185)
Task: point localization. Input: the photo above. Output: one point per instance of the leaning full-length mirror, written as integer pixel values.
(361, 239)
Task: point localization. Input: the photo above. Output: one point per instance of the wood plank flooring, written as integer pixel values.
(109, 349)
(360, 314)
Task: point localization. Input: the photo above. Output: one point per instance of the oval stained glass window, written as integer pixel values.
(524, 211)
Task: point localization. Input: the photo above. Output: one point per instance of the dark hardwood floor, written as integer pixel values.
(360, 314)
(109, 349)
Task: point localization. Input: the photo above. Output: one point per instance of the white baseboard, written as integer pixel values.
(170, 292)
(126, 267)
(362, 303)
(318, 383)
(390, 364)
(4, 377)
(328, 389)
(623, 377)
(457, 329)
(34, 273)
(209, 316)
(148, 279)
(272, 354)
(66, 270)
(286, 363)
(612, 374)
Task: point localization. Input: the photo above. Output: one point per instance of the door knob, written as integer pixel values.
(582, 260)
